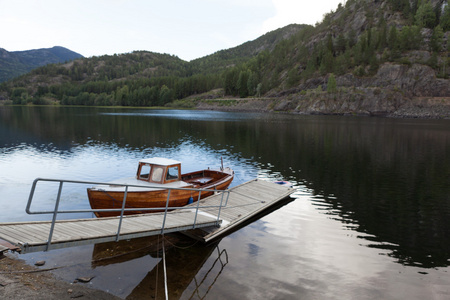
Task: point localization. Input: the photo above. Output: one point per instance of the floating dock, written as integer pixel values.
(244, 202)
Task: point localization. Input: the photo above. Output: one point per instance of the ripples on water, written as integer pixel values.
(370, 219)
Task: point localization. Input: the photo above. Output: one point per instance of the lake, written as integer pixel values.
(370, 217)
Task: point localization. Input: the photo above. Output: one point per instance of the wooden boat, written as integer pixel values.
(156, 175)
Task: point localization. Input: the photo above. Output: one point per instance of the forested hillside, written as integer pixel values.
(140, 78)
(372, 55)
(13, 64)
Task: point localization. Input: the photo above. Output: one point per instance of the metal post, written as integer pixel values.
(165, 213)
(55, 212)
(121, 213)
(30, 198)
(221, 203)
(196, 211)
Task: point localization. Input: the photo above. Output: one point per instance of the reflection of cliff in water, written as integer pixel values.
(184, 264)
(390, 178)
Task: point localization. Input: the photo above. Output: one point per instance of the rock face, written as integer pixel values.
(396, 90)
(415, 81)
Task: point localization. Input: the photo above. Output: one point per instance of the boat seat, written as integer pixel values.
(202, 180)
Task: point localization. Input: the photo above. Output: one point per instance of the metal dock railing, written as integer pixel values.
(206, 219)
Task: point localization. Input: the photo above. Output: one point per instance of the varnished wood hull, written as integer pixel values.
(102, 199)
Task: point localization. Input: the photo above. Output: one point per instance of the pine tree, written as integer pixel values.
(437, 39)
(425, 15)
(445, 18)
(331, 85)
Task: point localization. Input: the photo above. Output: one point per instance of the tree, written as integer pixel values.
(242, 83)
(231, 78)
(293, 77)
(166, 95)
(258, 89)
(445, 18)
(425, 15)
(252, 83)
(393, 43)
(331, 85)
(326, 64)
(341, 44)
(382, 36)
(351, 38)
(405, 37)
(437, 39)
(393, 37)
(410, 38)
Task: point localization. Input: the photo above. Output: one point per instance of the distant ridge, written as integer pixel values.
(223, 59)
(16, 63)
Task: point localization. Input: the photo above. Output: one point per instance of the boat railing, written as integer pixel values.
(166, 209)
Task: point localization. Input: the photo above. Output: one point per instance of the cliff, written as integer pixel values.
(395, 91)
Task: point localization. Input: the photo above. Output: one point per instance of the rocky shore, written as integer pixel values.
(396, 90)
(425, 107)
(19, 280)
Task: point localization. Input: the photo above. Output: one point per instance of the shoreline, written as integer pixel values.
(326, 105)
(417, 108)
(19, 280)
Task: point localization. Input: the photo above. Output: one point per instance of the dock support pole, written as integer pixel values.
(221, 204)
(122, 212)
(165, 213)
(55, 212)
(196, 211)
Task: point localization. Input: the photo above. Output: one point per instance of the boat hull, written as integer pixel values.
(157, 198)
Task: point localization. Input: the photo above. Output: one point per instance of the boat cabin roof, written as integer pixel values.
(159, 161)
(159, 170)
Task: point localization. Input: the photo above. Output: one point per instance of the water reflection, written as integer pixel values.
(191, 268)
(385, 179)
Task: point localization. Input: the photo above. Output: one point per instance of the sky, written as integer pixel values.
(189, 29)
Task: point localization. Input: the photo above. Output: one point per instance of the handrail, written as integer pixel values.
(122, 210)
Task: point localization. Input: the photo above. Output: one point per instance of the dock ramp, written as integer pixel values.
(207, 219)
(246, 201)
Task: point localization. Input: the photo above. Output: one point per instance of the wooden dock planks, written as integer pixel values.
(33, 236)
(244, 202)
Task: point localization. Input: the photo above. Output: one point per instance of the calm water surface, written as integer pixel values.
(370, 219)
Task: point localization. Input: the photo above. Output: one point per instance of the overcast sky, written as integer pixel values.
(188, 29)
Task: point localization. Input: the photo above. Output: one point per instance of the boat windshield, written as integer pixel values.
(145, 172)
(172, 173)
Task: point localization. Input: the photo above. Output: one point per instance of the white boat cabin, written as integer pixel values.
(159, 170)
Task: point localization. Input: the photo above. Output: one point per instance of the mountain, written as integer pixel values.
(223, 59)
(370, 57)
(140, 78)
(15, 63)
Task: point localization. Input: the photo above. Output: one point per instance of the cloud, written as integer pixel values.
(298, 12)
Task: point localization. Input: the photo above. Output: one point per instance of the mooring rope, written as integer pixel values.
(165, 271)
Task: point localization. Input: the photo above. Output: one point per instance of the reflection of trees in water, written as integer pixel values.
(63, 127)
(389, 176)
(186, 268)
(390, 179)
